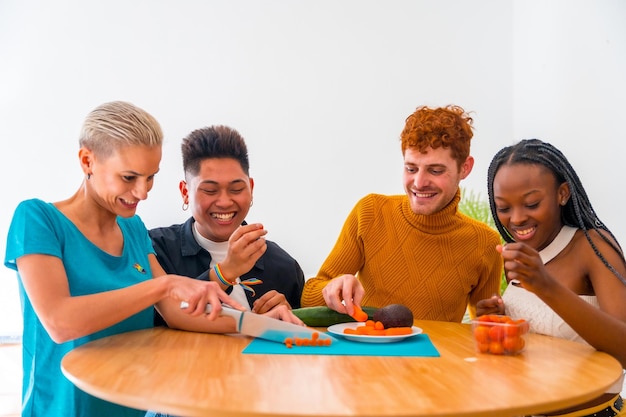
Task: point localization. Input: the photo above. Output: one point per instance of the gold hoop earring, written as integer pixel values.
(185, 206)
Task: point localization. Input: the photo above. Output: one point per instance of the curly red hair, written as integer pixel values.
(448, 127)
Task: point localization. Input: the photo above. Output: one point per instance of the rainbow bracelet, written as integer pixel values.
(245, 284)
(220, 276)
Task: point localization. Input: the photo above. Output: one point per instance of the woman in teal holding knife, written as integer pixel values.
(87, 269)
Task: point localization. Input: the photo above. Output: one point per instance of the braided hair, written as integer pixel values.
(577, 212)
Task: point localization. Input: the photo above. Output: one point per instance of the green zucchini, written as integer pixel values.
(322, 316)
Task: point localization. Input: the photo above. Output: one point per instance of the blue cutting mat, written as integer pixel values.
(419, 345)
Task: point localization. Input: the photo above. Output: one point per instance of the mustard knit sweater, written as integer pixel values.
(437, 265)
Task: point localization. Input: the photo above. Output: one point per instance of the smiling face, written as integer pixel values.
(122, 179)
(219, 196)
(431, 179)
(528, 203)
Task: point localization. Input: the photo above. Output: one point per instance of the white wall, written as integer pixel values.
(319, 89)
(569, 89)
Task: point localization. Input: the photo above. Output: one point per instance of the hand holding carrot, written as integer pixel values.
(343, 293)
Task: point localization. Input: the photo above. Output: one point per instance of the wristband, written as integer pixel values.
(245, 284)
(220, 276)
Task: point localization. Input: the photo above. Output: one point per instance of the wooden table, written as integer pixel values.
(193, 374)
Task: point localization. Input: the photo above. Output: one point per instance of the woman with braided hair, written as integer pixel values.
(566, 270)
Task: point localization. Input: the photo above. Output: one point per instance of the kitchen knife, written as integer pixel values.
(258, 325)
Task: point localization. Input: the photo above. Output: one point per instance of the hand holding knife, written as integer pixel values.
(261, 326)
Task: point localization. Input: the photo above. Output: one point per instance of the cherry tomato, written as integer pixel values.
(481, 334)
(496, 333)
(511, 344)
(511, 330)
(496, 348)
(483, 347)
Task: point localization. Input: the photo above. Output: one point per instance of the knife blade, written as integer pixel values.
(268, 328)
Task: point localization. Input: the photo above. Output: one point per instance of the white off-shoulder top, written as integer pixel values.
(520, 303)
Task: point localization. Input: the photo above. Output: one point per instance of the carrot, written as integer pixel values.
(359, 314)
(363, 330)
(289, 342)
(315, 340)
(397, 331)
(371, 328)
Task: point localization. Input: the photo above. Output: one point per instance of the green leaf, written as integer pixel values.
(474, 206)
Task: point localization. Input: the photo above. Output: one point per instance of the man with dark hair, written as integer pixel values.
(216, 243)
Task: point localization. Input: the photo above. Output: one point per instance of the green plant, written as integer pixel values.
(474, 206)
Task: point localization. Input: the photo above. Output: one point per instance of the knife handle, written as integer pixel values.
(226, 311)
(230, 312)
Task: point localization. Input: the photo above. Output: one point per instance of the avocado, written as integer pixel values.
(394, 315)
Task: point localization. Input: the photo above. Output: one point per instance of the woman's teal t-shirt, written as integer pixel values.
(38, 227)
